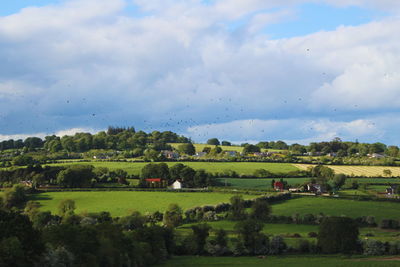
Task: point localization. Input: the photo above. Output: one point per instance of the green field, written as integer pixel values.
(265, 184)
(256, 183)
(242, 168)
(308, 261)
(120, 203)
(338, 207)
(269, 229)
(287, 231)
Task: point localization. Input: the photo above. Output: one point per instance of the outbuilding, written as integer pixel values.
(177, 185)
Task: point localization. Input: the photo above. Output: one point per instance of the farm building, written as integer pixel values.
(27, 183)
(177, 185)
(392, 190)
(155, 182)
(315, 188)
(170, 154)
(200, 154)
(278, 186)
(230, 153)
(376, 156)
(295, 190)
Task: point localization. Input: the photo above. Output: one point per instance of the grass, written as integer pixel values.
(242, 168)
(338, 207)
(120, 203)
(287, 230)
(265, 183)
(257, 183)
(277, 261)
(269, 229)
(367, 171)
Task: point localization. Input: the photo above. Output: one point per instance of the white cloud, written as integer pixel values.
(88, 63)
(75, 130)
(305, 131)
(42, 135)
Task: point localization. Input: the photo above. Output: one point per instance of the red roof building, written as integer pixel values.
(153, 180)
(278, 186)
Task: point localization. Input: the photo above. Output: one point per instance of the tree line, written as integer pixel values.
(188, 176)
(114, 138)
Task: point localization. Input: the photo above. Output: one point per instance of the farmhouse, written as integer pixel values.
(315, 188)
(391, 190)
(177, 185)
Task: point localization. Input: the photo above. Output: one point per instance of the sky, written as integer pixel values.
(239, 70)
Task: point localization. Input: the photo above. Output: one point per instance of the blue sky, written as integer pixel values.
(241, 70)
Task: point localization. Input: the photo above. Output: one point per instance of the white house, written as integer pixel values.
(177, 185)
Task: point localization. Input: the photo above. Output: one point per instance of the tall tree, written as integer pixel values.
(338, 235)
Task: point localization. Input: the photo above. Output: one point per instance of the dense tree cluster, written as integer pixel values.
(273, 145)
(187, 175)
(115, 138)
(70, 176)
(42, 239)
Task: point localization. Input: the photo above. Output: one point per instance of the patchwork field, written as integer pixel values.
(277, 261)
(367, 171)
(120, 203)
(338, 207)
(242, 168)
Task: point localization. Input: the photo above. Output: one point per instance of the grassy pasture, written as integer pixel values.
(337, 207)
(256, 183)
(282, 261)
(265, 183)
(242, 168)
(269, 229)
(367, 171)
(120, 203)
(287, 230)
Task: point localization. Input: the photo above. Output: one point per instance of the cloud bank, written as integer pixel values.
(186, 65)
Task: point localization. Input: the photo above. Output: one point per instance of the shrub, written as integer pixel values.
(373, 248)
(338, 235)
(312, 234)
(304, 246)
(296, 235)
(210, 216)
(277, 245)
(239, 249)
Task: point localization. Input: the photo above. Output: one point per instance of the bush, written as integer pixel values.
(304, 246)
(389, 224)
(394, 248)
(277, 245)
(210, 216)
(312, 234)
(373, 248)
(239, 249)
(338, 235)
